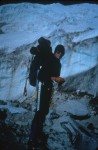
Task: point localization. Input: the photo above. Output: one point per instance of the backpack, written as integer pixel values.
(40, 54)
(33, 71)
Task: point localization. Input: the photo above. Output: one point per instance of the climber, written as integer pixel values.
(48, 73)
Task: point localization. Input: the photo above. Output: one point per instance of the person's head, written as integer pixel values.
(59, 51)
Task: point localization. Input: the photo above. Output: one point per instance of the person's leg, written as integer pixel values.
(32, 143)
(46, 93)
(33, 132)
(44, 106)
(37, 126)
(39, 118)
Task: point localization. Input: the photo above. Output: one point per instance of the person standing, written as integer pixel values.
(48, 73)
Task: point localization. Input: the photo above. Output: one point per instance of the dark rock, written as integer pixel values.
(3, 115)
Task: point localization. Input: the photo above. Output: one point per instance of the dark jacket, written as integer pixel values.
(50, 68)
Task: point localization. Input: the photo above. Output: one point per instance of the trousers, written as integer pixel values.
(39, 118)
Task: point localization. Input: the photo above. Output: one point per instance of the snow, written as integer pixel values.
(73, 107)
(73, 26)
(13, 109)
(11, 41)
(26, 22)
(85, 36)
